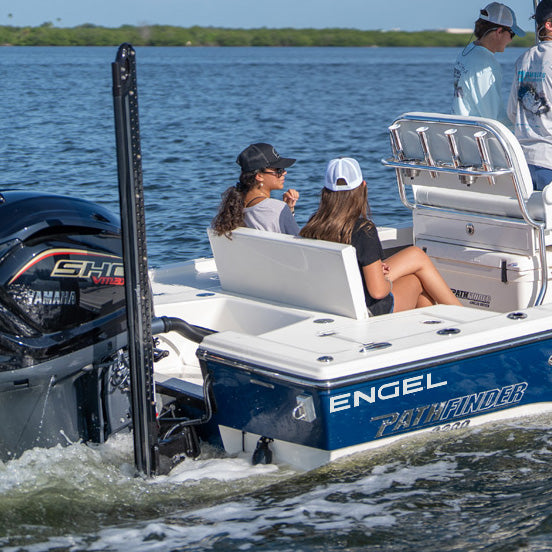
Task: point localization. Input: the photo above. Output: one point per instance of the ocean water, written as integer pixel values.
(485, 488)
(199, 107)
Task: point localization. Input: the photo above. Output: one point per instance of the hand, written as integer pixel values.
(385, 268)
(290, 198)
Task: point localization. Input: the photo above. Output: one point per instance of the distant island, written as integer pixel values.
(48, 34)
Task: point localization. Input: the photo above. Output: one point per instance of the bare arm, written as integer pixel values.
(291, 197)
(377, 283)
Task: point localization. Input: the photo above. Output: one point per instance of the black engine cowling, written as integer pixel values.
(64, 376)
(61, 276)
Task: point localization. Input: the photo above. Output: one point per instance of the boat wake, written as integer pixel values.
(86, 497)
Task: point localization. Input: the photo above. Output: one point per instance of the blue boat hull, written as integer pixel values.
(445, 392)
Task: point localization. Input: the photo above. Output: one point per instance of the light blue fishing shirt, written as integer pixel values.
(477, 85)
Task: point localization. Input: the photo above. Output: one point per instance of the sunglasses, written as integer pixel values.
(512, 34)
(275, 172)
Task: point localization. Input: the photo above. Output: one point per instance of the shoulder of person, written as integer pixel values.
(364, 225)
(540, 50)
(271, 203)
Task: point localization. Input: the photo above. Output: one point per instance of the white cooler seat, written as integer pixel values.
(473, 206)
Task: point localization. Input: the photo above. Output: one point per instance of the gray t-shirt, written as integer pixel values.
(271, 215)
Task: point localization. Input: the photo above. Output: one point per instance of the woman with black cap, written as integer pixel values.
(248, 203)
(530, 100)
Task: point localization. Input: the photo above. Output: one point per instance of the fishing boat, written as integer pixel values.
(267, 348)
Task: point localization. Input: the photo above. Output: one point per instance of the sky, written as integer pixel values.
(409, 15)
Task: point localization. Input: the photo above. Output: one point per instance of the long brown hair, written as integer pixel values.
(337, 214)
(230, 213)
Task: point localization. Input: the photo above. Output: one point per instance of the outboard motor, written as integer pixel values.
(62, 323)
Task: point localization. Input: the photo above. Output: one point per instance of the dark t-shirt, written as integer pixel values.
(368, 250)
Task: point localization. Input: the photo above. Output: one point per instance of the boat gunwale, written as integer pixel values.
(378, 373)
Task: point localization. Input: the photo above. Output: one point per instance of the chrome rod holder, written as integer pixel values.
(453, 146)
(481, 140)
(421, 131)
(398, 151)
(396, 144)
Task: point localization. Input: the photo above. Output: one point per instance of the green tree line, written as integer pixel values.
(165, 35)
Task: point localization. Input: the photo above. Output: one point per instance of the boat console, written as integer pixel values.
(473, 206)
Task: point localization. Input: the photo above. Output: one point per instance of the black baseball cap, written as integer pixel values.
(261, 156)
(543, 12)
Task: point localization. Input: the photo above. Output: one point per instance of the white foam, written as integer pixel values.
(219, 469)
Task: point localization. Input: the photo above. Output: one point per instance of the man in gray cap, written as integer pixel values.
(529, 104)
(477, 73)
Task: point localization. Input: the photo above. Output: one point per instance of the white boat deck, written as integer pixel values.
(297, 306)
(292, 340)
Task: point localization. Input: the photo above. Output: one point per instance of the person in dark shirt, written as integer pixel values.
(407, 279)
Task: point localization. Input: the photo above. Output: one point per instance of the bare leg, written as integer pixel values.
(424, 301)
(413, 260)
(407, 291)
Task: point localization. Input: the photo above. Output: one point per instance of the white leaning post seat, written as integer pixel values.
(471, 186)
(310, 274)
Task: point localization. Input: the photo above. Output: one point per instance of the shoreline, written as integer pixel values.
(165, 35)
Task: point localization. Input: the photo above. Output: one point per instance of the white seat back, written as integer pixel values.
(312, 274)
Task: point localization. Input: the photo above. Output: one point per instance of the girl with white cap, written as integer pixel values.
(407, 279)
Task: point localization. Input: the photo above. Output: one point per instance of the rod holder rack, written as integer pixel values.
(453, 146)
(421, 131)
(398, 151)
(481, 141)
(466, 174)
(470, 179)
(418, 166)
(396, 144)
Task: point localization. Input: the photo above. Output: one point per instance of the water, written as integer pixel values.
(199, 107)
(479, 489)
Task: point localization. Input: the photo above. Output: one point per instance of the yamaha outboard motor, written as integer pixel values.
(62, 323)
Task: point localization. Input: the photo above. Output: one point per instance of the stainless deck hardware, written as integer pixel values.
(517, 316)
(421, 131)
(373, 346)
(398, 151)
(304, 411)
(396, 145)
(466, 179)
(448, 331)
(481, 140)
(453, 146)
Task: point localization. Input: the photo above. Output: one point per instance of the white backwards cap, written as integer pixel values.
(343, 174)
(502, 15)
